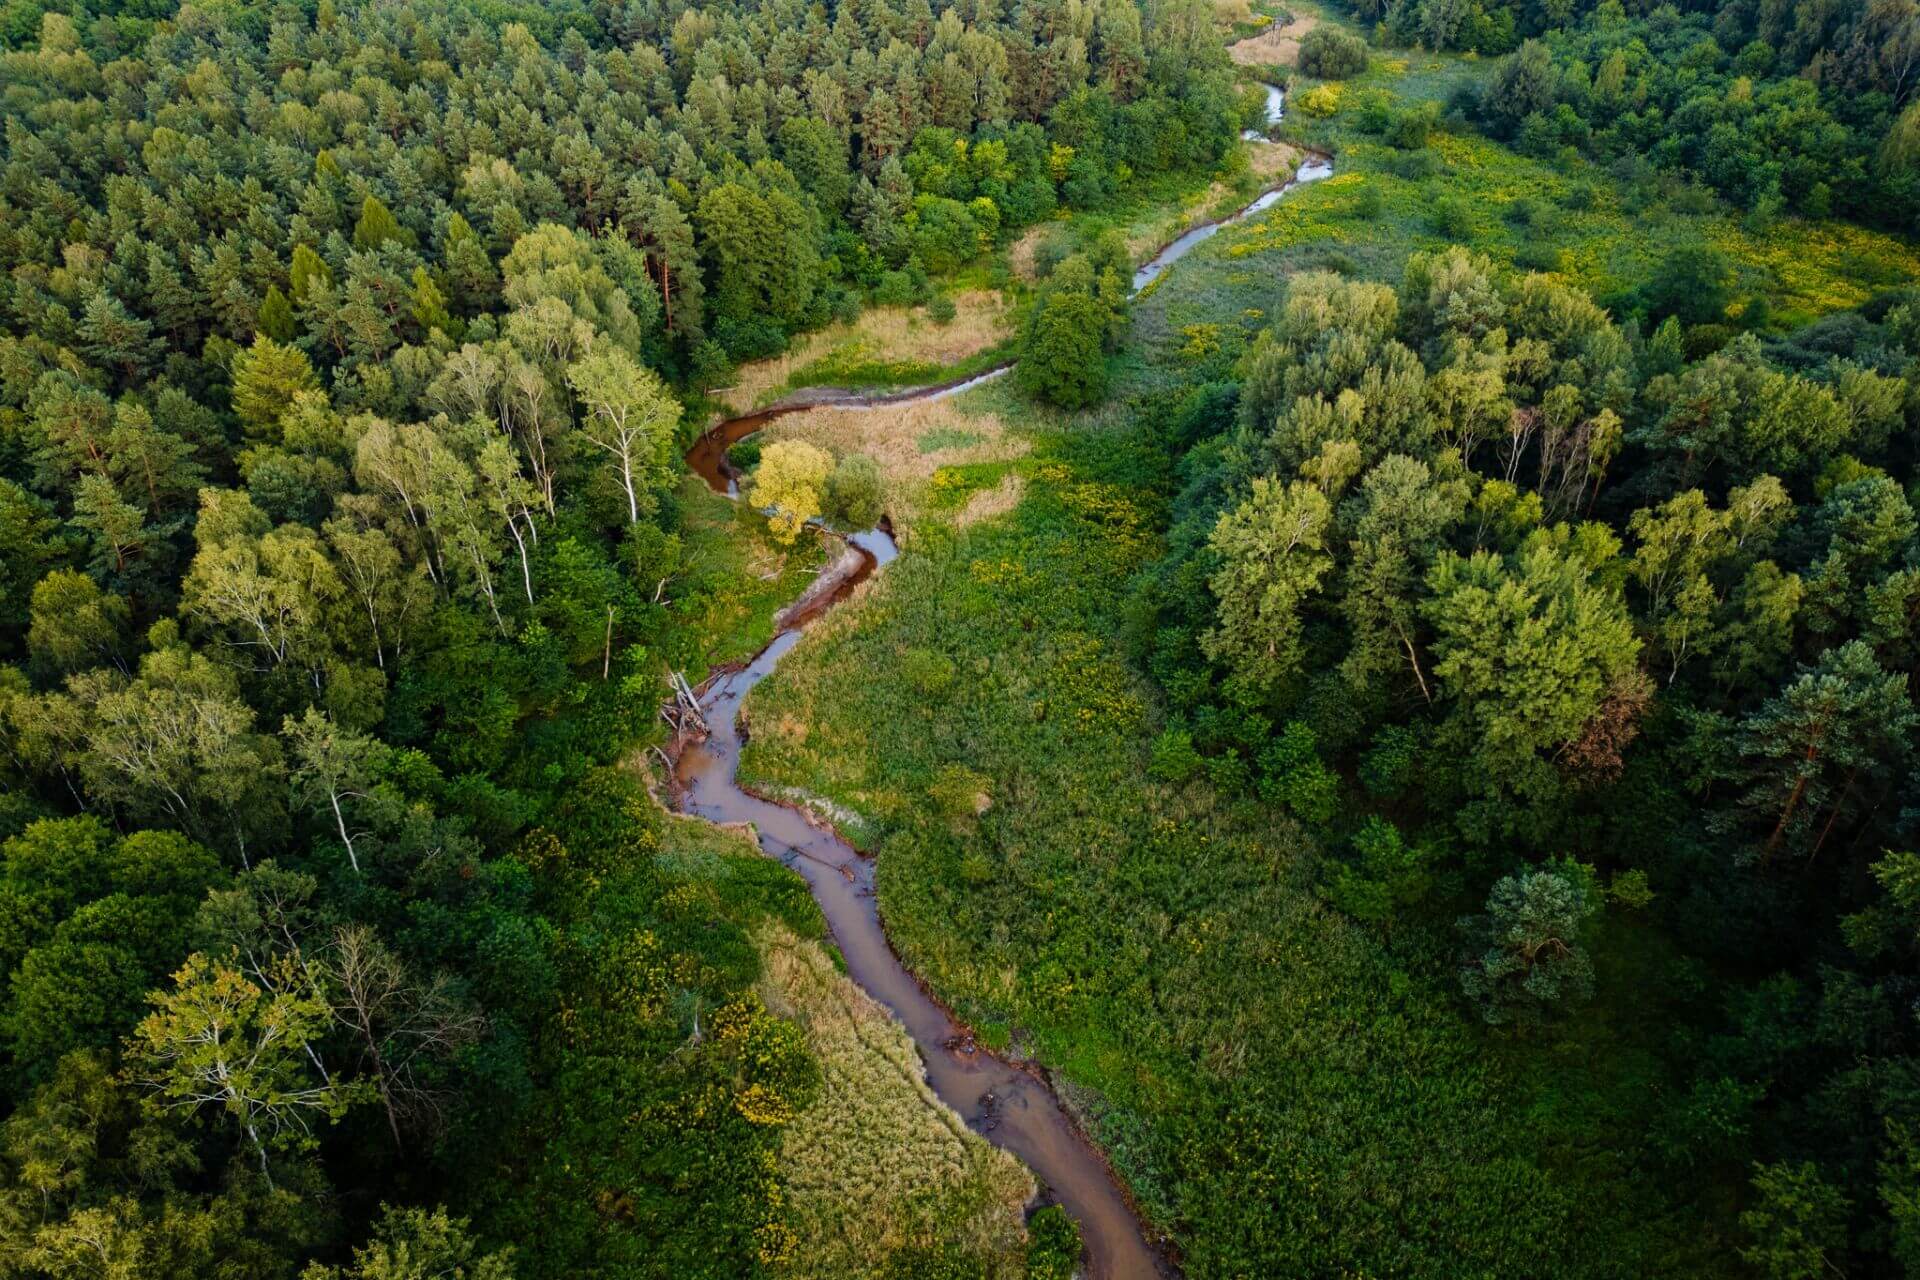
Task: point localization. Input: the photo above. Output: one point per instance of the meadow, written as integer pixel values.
(885, 347)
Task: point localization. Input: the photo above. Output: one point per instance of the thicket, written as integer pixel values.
(1328, 53)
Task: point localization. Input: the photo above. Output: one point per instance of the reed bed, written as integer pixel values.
(902, 337)
(913, 443)
(879, 1164)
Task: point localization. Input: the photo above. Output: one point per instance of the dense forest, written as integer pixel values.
(1423, 750)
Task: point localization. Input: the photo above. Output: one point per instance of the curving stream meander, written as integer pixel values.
(1009, 1102)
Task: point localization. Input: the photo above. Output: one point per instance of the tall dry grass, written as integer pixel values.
(895, 334)
(879, 1163)
(1276, 46)
(907, 441)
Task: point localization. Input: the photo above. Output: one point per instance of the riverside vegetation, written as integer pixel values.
(1408, 720)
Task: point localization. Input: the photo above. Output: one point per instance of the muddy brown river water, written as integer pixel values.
(1008, 1102)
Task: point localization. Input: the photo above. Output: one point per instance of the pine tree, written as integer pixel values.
(376, 226)
(266, 377)
(276, 315)
(308, 268)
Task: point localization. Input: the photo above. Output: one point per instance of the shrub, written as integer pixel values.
(1411, 129)
(1537, 255)
(896, 289)
(1053, 1245)
(941, 310)
(1387, 767)
(750, 339)
(746, 454)
(1452, 218)
(1329, 53)
(960, 795)
(1630, 889)
(856, 496)
(1414, 166)
(1693, 284)
(1373, 112)
(929, 673)
(1174, 758)
(1227, 773)
(1320, 101)
(1293, 776)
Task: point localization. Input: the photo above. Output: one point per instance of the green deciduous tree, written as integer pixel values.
(419, 1244)
(1527, 649)
(1061, 359)
(217, 1041)
(174, 744)
(1272, 552)
(630, 416)
(1798, 1222)
(76, 625)
(1399, 519)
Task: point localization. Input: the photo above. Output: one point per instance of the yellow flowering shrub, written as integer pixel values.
(1320, 102)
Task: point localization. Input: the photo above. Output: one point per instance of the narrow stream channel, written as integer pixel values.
(1312, 168)
(1276, 112)
(1011, 1104)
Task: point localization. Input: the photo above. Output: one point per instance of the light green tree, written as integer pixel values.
(419, 1244)
(218, 1041)
(1527, 648)
(1798, 1222)
(76, 625)
(631, 417)
(266, 377)
(1402, 512)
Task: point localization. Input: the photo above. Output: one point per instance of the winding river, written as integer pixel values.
(1010, 1103)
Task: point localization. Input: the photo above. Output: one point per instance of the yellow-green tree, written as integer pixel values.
(789, 484)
